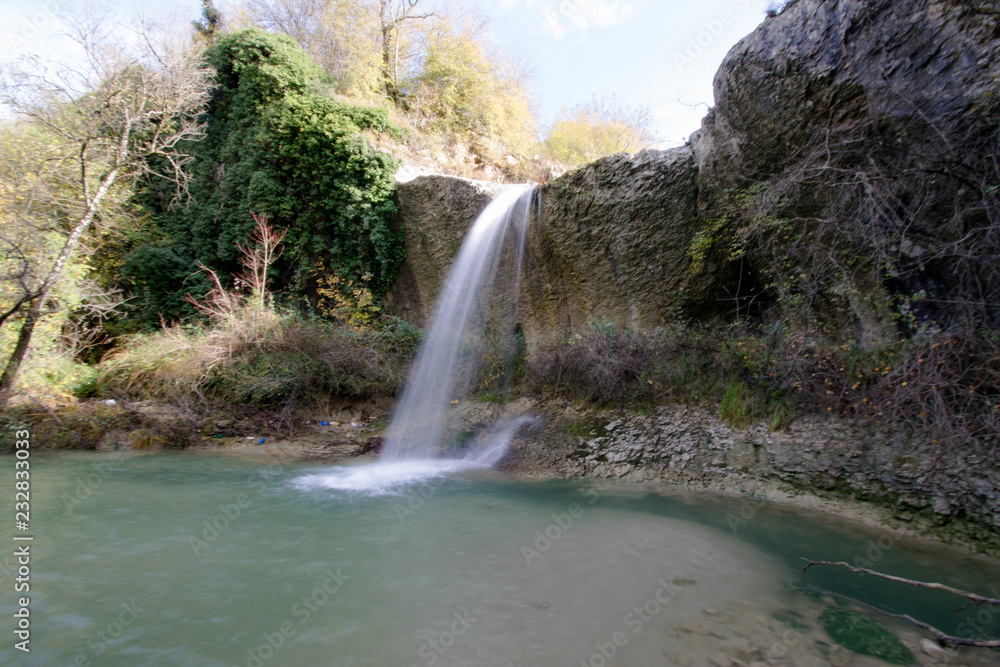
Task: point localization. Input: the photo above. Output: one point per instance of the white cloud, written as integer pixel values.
(560, 18)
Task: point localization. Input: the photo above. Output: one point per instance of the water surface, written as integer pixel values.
(213, 559)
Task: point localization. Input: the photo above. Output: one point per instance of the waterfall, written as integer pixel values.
(469, 347)
(456, 342)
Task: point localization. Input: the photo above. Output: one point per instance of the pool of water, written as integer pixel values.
(212, 559)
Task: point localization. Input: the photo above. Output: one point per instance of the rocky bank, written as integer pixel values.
(899, 97)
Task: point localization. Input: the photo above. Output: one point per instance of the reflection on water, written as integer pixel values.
(201, 559)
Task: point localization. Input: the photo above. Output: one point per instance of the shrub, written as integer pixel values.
(282, 363)
(944, 385)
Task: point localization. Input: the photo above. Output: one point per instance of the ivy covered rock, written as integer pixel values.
(275, 146)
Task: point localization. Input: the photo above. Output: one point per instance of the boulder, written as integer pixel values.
(435, 213)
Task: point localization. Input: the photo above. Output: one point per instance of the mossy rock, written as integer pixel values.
(587, 426)
(861, 634)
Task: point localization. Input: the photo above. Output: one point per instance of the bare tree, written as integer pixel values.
(392, 14)
(118, 112)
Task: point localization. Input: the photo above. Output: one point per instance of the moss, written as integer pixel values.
(861, 634)
(588, 426)
(683, 582)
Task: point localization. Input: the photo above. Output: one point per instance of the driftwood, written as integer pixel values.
(943, 639)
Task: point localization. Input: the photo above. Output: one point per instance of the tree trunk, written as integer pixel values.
(387, 71)
(9, 378)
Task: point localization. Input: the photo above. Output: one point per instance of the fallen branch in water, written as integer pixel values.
(942, 638)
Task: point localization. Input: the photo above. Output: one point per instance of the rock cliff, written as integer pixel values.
(435, 213)
(853, 155)
(873, 123)
(611, 243)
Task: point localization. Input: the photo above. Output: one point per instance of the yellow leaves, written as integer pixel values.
(596, 130)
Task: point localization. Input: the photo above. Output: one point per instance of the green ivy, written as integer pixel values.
(274, 145)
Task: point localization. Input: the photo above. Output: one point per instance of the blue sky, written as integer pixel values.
(653, 53)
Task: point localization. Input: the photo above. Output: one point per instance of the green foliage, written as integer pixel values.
(597, 129)
(466, 91)
(735, 406)
(276, 148)
(861, 634)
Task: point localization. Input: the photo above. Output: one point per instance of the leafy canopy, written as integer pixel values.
(599, 128)
(275, 146)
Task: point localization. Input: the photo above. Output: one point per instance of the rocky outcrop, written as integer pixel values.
(877, 120)
(929, 66)
(435, 213)
(611, 243)
(919, 488)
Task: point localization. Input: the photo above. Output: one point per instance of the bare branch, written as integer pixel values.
(972, 597)
(943, 639)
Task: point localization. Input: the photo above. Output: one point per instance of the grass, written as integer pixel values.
(278, 364)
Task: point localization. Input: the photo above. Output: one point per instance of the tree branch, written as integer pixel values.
(942, 638)
(972, 597)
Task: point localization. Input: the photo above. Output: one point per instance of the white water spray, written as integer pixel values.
(421, 439)
(419, 426)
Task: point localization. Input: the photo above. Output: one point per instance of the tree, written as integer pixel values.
(465, 89)
(119, 113)
(392, 15)
(275, 147)
(358, 43)
(439, 71)
(210, 22)
(599, 128)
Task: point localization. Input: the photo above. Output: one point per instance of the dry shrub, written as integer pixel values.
(279, 366)
(943, 386)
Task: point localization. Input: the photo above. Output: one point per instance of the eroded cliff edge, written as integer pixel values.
(847, 177)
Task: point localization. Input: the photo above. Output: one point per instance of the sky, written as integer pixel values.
(658, 54)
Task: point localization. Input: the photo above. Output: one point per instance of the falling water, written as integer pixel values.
(445, 362)
(472, 335)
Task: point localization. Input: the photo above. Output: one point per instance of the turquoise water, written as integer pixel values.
(213, 559)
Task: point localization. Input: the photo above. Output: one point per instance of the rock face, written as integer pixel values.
(930, 66)
(611, 243)
(435, 212)
(881, 117)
